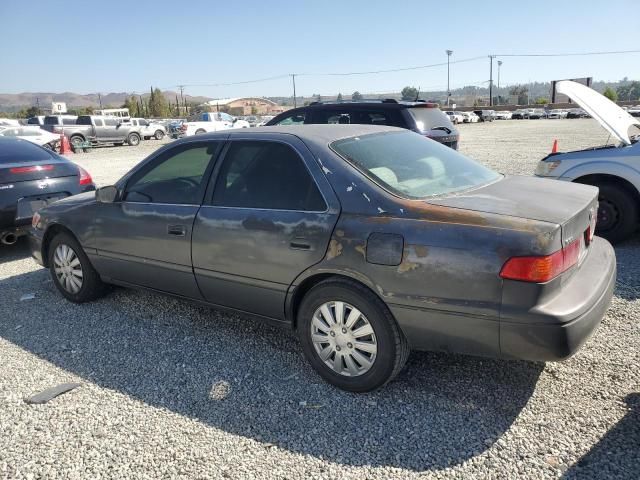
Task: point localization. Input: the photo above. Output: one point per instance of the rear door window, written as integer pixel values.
(293, 119)
(266, 175)
(367, 117)
(340, 116)
(98, 122)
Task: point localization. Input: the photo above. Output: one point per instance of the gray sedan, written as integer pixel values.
(368, 241)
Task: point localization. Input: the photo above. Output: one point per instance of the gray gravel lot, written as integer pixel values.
(174, 390)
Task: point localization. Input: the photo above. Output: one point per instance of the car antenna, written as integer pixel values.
(417, 95)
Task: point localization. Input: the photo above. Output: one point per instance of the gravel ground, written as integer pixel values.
(173, 390)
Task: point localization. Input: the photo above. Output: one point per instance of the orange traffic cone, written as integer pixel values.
(554, 149)
(65, 146)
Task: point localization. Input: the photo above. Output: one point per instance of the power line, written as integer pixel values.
(581, 54)
(402, 69)
(233, 83)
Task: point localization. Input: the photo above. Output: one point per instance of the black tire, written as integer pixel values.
(92, 286)
(393, 348)
(133, 139)
(617, 212)
(159, 135)
(200, 131)
(48, 146)
(76, 140)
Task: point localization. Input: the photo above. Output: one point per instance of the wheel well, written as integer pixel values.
(51, 232)
(308, 283)
(77, 135)
(599, 178)
(134, 133)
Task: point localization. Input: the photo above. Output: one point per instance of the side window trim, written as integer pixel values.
(208, 199)
(154, 162)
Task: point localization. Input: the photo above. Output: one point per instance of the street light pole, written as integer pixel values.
(449, 52)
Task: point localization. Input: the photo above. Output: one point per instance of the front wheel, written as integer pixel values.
(159, 135)
(617, 212)
(72, 272)
(133, 139)
(350, 337)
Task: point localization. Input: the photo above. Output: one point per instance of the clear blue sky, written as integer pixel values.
(114, 45)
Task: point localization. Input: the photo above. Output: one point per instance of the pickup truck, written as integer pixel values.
(100, 130)
(209, 122)
(49, 122)
(149, 129)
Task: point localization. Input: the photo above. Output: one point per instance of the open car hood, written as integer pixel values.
(613, 118)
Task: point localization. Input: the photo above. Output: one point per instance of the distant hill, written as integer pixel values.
(11, 102)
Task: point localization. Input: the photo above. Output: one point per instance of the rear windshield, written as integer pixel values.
(20, 151)
(51, 120)
(412, 166)
(429, 118)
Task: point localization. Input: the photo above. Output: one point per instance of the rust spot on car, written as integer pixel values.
(406, 265)
(361, 249)
(335, 249)
(421, 251)
(340, 233)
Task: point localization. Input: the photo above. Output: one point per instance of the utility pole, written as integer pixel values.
(38, 102)
(491, 80)
(449, 52)
(181, 87)
(293, 78)
(499, 65)
(100, 100)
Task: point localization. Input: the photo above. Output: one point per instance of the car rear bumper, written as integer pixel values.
(35, 245)
(566, 321)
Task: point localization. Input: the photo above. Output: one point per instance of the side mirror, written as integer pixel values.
(106, 194)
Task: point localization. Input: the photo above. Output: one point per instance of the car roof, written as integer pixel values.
(315, 133)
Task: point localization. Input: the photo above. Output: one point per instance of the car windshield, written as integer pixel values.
(428, 118)
(412, 166)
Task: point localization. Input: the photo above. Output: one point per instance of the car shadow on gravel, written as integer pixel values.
(246, 378)
(617, 454)
(17, 251)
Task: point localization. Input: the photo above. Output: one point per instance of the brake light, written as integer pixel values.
(85, 178)
(34, 168)
(540, 269)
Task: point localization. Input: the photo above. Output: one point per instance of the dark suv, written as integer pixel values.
(420, 116)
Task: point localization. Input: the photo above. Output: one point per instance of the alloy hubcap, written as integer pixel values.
(67, 268)
(344, 339)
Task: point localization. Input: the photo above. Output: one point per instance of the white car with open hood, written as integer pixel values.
(614, 168)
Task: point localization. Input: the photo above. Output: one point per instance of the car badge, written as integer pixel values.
(43, 185)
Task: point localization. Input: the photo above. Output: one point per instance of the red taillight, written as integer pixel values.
(85, 178)
(35, 168)
(541, 269)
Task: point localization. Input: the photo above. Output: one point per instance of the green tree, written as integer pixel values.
(409, 93)
(356, 96)
(542, 101)
(629, 92)
(29, 112)
(611, 94)
(339, 99)
(158, 105)
(132, 105)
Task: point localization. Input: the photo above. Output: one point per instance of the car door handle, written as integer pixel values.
(300, 245)
(177, 230)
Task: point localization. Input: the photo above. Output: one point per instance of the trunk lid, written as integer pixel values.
(16, 172)
(572, 206)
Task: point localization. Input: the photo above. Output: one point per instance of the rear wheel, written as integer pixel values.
(159, 135)
(133, 139)
(350, 337)
(617, 212)
(200, 131)
(76, 141)
(72, 272)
